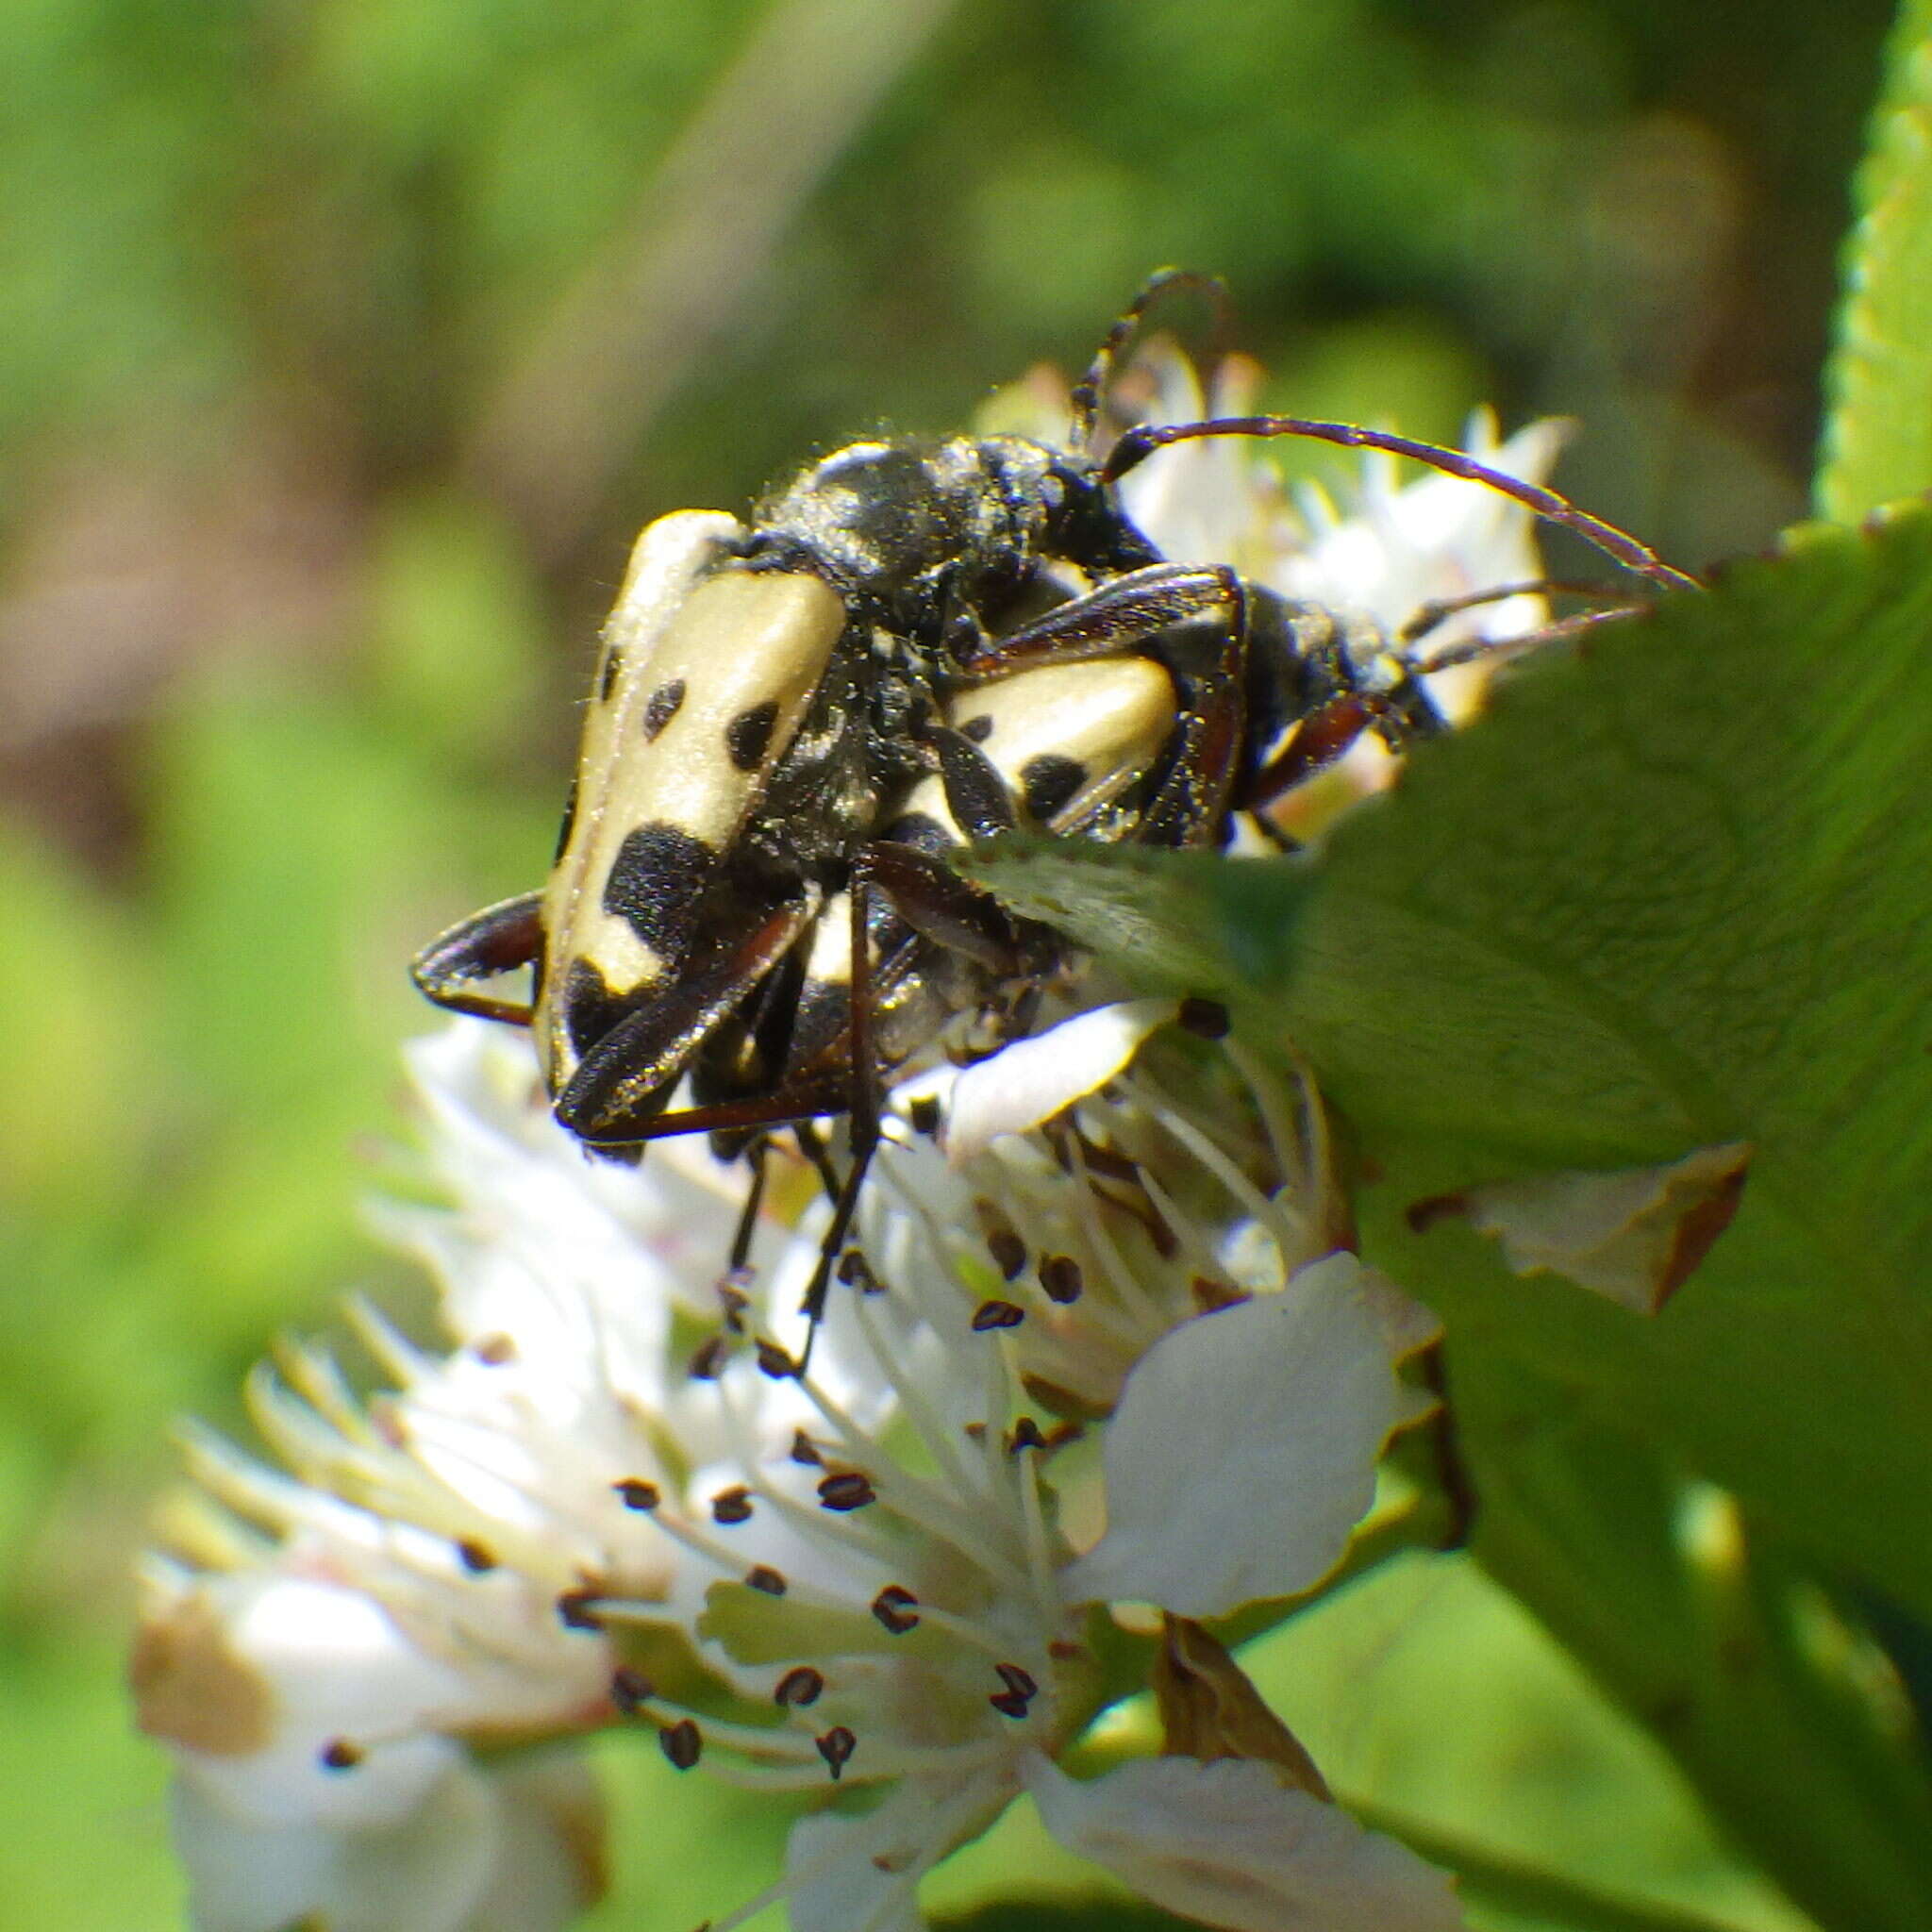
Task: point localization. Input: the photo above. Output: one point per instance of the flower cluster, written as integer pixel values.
(616, 1502)
(1098, 1348)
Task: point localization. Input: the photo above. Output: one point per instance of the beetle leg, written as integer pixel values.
(940, 905)
(498, 940)
(942, 910)
(748, 1212)
(1320, 737)
(818, 1096)
(621, 1080)
(862, 1134)
(1399, 715)
(1119, 615)
(1191, 805)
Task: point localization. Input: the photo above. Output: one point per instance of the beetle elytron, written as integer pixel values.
(793, 718)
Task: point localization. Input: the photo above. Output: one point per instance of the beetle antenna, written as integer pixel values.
(1086, 394)
(1438, 611)
(1137, 445)
(1478, 649)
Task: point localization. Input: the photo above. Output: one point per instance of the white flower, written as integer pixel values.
(890, 1572)
(1108, 1179)
(908, 1609)
(336, 1639)
(259, 1680)
(1228, 1843)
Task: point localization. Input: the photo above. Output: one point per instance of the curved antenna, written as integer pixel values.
(1137, 445)
(1086, 393)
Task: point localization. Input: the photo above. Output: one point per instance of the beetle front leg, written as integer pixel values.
(619, 1086)
(1120, 615)
(1191, 805)
(500, 938)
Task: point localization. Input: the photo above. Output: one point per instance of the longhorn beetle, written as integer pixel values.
(793, 718)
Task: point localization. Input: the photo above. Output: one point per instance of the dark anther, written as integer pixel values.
(1025, 1434)
(682, 1743)
(804, 1450)
(474, 1556)
(767, 1579)
(799, 1687)
(495, 1349)
(850, 1488)
(997, 1315)
(924, 1115)
(854, 1271)
(730, 1507)
(1021, 1690)
(636, 1493)
(774, 1362)
(896, 1609)
(1206, 1018)
(835, 1747)
(1060, 1276)
(339, 1755)
(630, 1690)
(1210, 1294)
(577, 1609)
(707, 1359)
(1109, 1163)
(1008, 1250)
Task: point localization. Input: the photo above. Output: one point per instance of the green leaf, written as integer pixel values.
(1878, 434)
(1676, 890)
(1703, 1628)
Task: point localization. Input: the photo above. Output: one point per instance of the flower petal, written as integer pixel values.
(1225, 1844)
(1034, 1079)
(1244, 1447)
(849, 1872)
(508, 1849)
(1634, 1234)
(252, 1678)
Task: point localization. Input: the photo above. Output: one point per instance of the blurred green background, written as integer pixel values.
(343, 346)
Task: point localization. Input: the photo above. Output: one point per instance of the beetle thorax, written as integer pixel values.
(896, 523)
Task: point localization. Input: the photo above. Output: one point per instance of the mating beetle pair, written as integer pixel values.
(794, 719)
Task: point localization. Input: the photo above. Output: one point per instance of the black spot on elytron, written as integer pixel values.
(921, 829)
(978, 729)
(750, 732)
(590, 1008)
(613, 663)
(663, 708)
(654, 884)
(568, 824)
(1049, 781)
